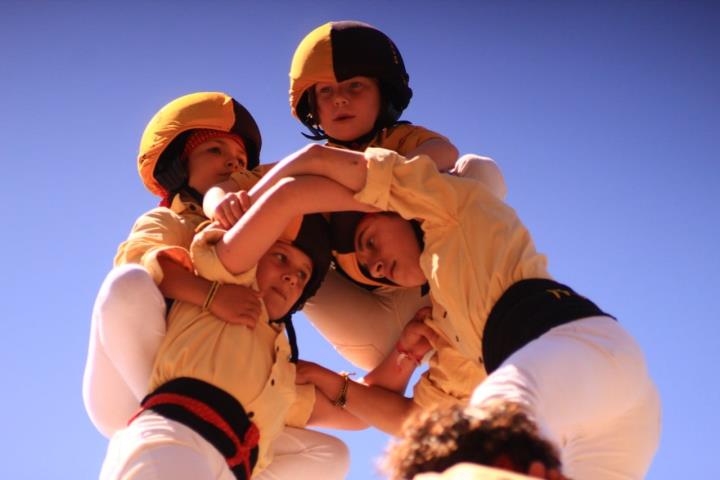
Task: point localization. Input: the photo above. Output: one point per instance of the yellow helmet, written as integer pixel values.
(160, 165)
(337, 51)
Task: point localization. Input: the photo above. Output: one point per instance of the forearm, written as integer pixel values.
(180, 284)
(443, 153)
(268, 217)
(376, 406)
(346, 167)
(393, 373)
(326, 415)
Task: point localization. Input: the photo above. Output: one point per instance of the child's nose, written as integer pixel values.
(340, 99)
(290, 278)
(377, 269)
(232, 163)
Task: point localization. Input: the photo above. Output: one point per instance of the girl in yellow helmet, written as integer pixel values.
(191, 143)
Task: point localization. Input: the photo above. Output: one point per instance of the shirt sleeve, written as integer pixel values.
(208, 265)
(160, 231)
(450, 378)
(302, 408)
(412, 187)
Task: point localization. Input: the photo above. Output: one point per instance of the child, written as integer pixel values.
(576, 373)
(348, 84)
(220, 392)
(438, 438)
(192, 142)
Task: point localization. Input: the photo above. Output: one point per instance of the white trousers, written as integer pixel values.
(586, 385)
(156, 448)
(128, 325)
(364, 325)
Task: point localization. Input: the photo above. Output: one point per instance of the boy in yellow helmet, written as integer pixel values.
(349, 86)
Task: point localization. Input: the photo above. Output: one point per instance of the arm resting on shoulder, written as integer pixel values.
(443, 153)
(269, 215)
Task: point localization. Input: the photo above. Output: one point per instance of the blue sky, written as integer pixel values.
(604, 117)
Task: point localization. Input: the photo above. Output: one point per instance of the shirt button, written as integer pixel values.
(272, 382)
(445, 314)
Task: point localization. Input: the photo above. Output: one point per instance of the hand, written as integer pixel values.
(237, 305)
(417, 338)
(231, 208)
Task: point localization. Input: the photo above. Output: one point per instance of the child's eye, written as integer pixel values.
(280, 257)
(326, 90)
(215, 150)
(356, 85)
(370, 242)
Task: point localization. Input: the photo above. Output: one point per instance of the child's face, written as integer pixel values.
(282, 274)
(385, 244)
(213, 161)
(348, 109)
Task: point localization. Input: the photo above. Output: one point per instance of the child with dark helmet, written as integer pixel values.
(349, 87)
(221, 393)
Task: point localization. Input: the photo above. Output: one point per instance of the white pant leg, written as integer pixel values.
(156, 448)
(482, 169)
(301, 454)
(128, 324)
(587, 386)
(362, 325)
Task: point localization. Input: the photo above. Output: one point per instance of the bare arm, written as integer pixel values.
(327, 415)
(443, 153)
(374, 405)
(232, 303)
(269, 215)
(346, 167)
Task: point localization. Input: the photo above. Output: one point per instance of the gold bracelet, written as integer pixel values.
(214, 287)
(341, 399)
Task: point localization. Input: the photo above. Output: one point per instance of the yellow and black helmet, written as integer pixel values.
(160, 165)
(337, 51)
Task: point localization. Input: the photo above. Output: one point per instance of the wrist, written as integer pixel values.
(341, 398)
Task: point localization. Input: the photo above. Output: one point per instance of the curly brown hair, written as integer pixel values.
(436, 439)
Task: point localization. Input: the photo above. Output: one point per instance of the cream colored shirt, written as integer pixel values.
(402, 138)
(251, 365)
(158, 229)
(475, 249)
(171, 227)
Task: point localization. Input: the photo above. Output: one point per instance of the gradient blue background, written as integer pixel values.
(604, 117)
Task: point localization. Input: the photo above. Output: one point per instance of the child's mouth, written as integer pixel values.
(341, 118)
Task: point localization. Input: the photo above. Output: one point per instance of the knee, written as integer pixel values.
(126, 291)
(340, 453)
(126, 283)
